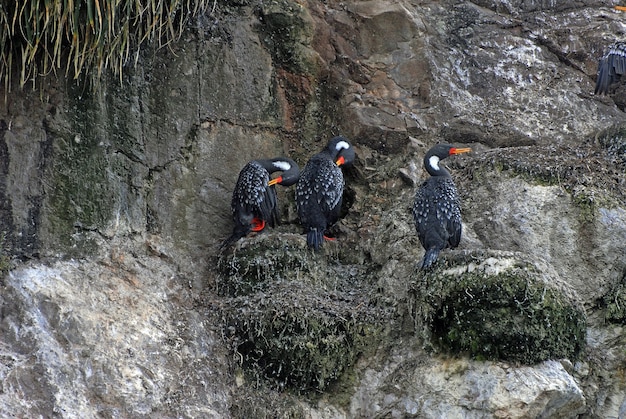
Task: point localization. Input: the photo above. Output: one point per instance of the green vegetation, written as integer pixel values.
(614, 302)
(300, 337)
(614, 141)
(286, 26)
(255, 264)
(41, 36)
(506, 312)
(293, 318)
(588, 173)
(5, 260)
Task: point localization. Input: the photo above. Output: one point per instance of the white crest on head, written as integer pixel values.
(434, 162)
(342, 145)
(282, 165)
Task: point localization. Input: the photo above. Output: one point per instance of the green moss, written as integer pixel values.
(265, 403)
(295, 318)
(286, 30)
(299, 336)
(614, 302)
(81, 197)
(614, 141)
(586, 205)
(5, 260)
(586, 198)
(509, 313)
(256, 262)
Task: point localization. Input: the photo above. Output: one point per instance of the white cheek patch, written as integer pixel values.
(434, 162)
(342, 145)
(282, 165)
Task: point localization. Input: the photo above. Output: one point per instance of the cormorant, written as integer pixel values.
(254, 198)
(611, 67)
(437, 207)
(319, 190)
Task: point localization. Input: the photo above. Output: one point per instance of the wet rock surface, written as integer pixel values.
(116, 301)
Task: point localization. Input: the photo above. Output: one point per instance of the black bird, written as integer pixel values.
(611, 67)
(437, 207)
(254, 198)
(319, 190)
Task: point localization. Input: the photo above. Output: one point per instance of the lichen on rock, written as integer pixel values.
(499, 306)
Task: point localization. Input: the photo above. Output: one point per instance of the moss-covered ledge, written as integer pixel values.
(296, 317)
(613, 140)
(498, 306)
(614, 303)
(255, 261)
(301, 338)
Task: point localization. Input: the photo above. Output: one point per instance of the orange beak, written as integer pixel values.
(459, 150)
(340, 161)
(275, 181)
(620, 8)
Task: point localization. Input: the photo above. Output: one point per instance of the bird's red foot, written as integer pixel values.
(330, 239)
(258, 224)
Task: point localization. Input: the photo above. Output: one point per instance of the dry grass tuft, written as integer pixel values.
(39, 37)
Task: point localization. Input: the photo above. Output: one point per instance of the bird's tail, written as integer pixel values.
(314, 238)
(230, 240)
(430, 257)
(238, 232)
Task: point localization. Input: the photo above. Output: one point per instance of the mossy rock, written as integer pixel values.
(297, 317)
(614, 141)
(300, 336)
(286, 29)
(614, 303)
(267, 258)
(264, 402)
(274, 257)
(499, 306)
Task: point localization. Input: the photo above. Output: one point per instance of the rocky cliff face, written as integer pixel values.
(117, 302)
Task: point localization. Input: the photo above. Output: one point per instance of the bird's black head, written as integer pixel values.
(440, 152)
(290, 169)
(341, 151)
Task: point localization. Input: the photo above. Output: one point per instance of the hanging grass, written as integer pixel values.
(39, 37)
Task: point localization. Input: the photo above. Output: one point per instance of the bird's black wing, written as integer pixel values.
(268, 207)
(329, 190)
(452, 212)
(454, 229)
(611, 67)
(253, 197)
(422, 211)
(437, 214)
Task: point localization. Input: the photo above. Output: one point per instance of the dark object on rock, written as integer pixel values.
(611, 67)
(254, 198)
(437, 208)
(320, 189)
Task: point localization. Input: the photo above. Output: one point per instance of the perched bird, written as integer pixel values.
(437, 207)
(254, 198)
(611, 67)
(319, 190)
